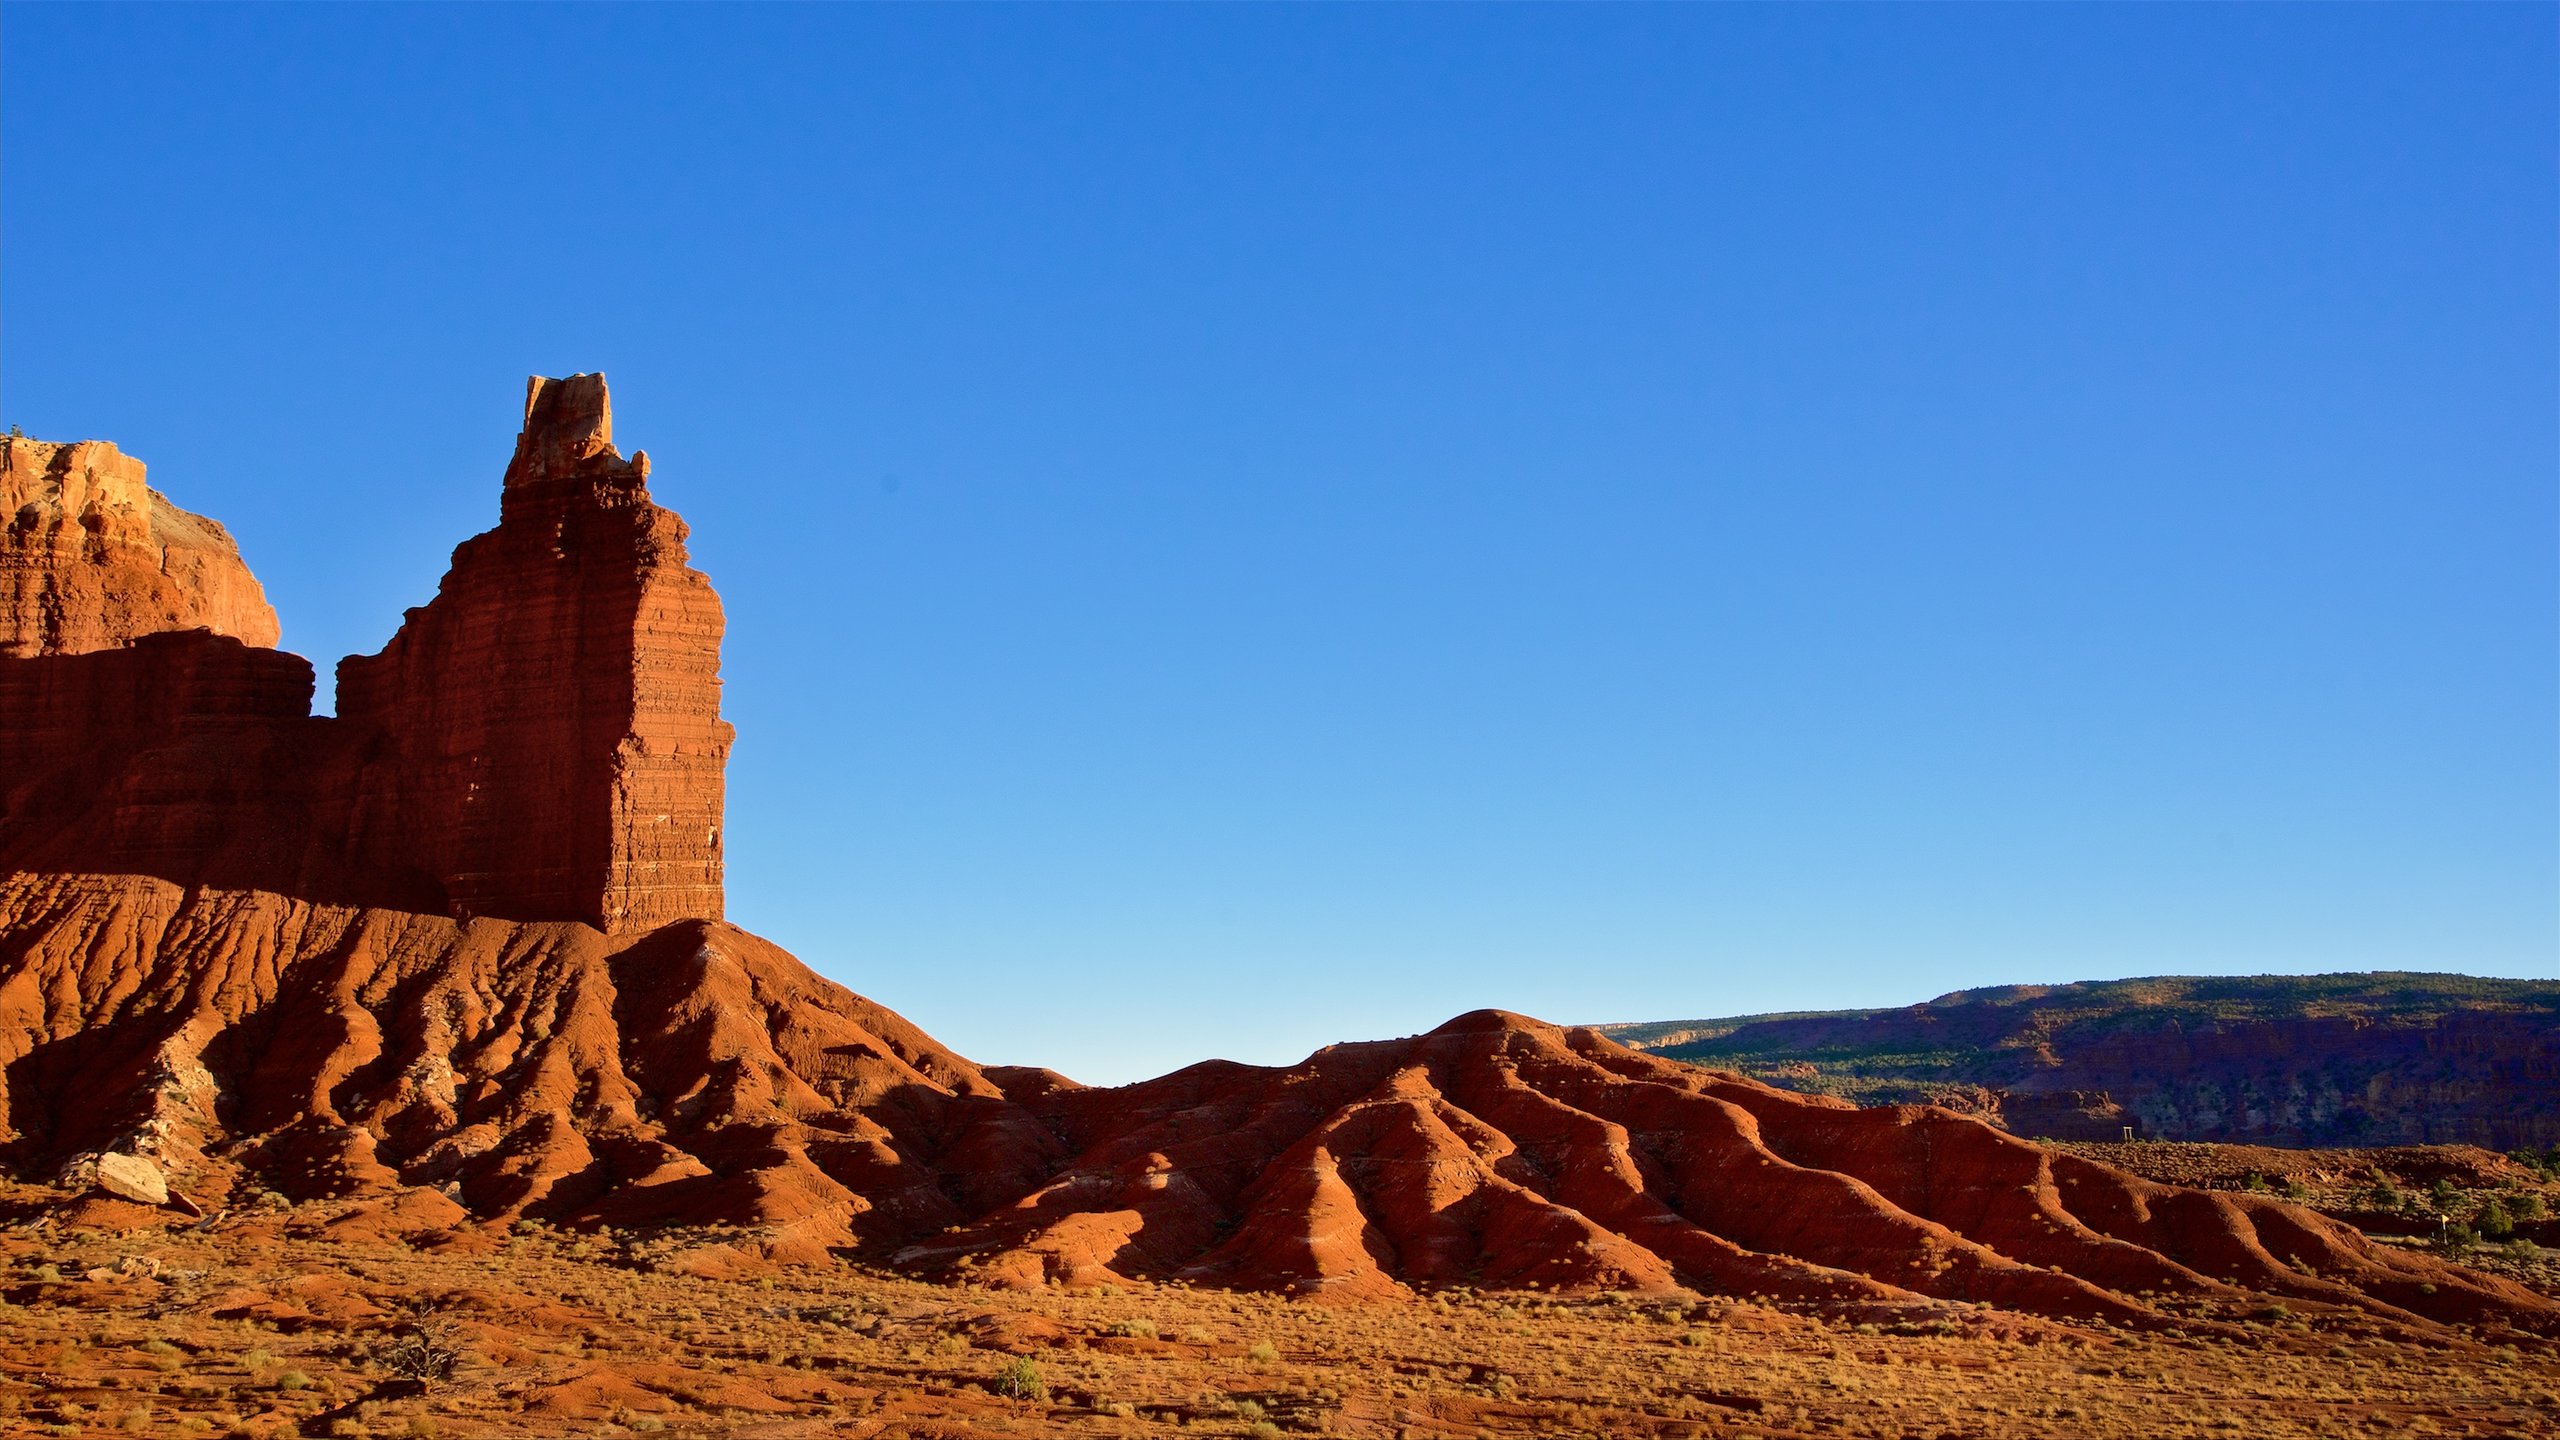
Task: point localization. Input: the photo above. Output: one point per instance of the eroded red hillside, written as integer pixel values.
(247, 1041)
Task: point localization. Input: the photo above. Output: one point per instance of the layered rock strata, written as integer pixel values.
(550, 737)
(185, 754)
(541, 741)
(92, 557)
(2377, 1058)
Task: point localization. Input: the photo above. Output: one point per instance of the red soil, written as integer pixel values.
(698, 1075)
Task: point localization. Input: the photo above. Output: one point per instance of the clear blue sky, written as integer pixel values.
(1247, 527)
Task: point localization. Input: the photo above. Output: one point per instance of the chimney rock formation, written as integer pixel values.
(551, 721)
(542, 741)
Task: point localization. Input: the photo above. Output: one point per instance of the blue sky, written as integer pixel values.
(1248, 527)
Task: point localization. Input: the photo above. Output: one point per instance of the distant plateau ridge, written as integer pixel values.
(2372, 1058)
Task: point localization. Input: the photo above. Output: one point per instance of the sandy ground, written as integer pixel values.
(123, 1321)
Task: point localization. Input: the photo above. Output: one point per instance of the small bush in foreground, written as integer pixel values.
(1020, 1380)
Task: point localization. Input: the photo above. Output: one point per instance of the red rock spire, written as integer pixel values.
(555, 743)
(568, 425)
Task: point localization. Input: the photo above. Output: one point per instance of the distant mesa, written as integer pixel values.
(464, 940)
(2364, 1059)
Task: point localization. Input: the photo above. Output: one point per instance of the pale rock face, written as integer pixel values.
(91, 557)
(130, 1177)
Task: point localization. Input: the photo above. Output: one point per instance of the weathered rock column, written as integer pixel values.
(551, 743)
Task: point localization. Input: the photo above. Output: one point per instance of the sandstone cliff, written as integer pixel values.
(541, 741)
(93, 557)
(550, 735)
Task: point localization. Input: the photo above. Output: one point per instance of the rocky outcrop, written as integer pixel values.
(184, 754)
(130, 1177)
(92, 557)
(541, 741)
(550, 743)
(243, 1041)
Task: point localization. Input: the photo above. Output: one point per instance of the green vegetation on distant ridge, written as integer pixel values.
(2292, 1058)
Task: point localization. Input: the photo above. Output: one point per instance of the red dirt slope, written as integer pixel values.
(698, 1074)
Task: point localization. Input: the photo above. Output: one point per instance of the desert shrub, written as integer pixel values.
(2492, 1220)
(2528, 1206)
(2458, 1240)
(1139, 1329)
(293, 1380)
(1020, 1380)
(1263, 1352)
(1262, 1430)
(427, 1353)
(1249, 1409)
(1694, 1337)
